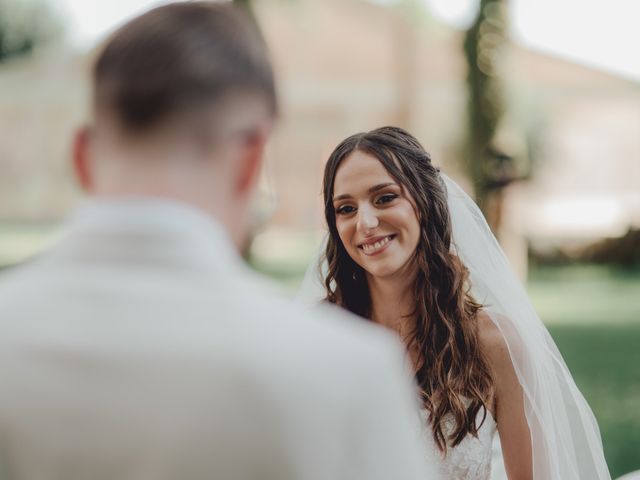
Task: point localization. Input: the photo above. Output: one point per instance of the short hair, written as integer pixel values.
(178, 60)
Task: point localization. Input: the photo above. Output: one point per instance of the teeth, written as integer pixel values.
(368, 248)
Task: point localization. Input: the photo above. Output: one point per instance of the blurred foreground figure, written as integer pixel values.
(141, 347)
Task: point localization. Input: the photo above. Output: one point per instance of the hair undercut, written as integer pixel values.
(179, 61)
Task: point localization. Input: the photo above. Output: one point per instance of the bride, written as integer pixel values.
(407, 249)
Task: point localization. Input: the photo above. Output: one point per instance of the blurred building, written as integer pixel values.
(346, 66)
(43, 99)
(585, 126)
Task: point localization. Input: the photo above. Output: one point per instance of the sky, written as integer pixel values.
(592, 32)
(601, 34)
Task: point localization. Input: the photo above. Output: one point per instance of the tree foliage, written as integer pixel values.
(489, 168)
(24, 24)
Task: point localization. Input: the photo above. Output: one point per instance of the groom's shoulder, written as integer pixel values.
(318, 331)
(329, 352)
(17, 280)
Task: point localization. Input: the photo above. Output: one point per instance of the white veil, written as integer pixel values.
(564, 433)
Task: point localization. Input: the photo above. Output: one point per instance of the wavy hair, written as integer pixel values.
(451, 371)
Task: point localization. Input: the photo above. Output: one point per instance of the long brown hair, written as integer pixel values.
(451, 372)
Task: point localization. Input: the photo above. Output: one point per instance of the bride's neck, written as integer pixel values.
(391, 302)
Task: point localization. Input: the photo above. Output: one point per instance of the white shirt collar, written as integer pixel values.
(158, 218)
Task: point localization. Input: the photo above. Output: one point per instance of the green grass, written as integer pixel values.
(605, 363)
(586, 295)
(593, 313)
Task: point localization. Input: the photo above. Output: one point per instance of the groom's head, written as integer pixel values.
(183, 103)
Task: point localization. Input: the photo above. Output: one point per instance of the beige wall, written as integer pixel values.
(345, 66)
(588, 182)
(42, 102)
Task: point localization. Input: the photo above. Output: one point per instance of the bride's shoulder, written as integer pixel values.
(493, 344)
(496, 352)
(488, 332)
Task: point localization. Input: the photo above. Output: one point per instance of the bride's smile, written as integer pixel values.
(376, 245)
(375, 218)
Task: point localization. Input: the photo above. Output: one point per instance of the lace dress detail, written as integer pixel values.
(469, 460)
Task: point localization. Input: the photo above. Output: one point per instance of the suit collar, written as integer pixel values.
(147, 229)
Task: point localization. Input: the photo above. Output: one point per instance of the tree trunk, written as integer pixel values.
(489, 169)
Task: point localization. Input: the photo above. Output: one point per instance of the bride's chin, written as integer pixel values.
(380, 272)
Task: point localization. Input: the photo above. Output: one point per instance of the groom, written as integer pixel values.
(141, 347)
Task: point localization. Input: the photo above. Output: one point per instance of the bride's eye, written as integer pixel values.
(345, 210)
(389, 197)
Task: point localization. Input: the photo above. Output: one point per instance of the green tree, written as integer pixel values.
(24, 24)
(245, 5)
(488, 165)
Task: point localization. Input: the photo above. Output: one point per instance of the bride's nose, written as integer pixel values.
(367, 219)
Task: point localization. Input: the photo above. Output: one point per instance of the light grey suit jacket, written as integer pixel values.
(140, 347)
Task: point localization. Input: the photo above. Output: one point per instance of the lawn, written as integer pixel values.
(593, 313)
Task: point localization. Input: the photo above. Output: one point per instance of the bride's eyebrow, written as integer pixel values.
(373, 189)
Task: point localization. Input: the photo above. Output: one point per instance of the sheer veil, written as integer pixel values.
(565, 436)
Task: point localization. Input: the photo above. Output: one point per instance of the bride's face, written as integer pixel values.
(375, 218)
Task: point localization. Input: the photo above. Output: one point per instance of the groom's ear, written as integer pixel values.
(250, 161)
(81, 158)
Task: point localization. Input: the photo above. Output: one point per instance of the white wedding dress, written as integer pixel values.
(471, 459)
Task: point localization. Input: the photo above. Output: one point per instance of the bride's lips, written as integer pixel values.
(376, 245)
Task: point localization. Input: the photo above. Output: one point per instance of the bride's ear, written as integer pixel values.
(81, 158)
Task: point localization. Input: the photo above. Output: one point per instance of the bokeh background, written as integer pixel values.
(533, 106)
